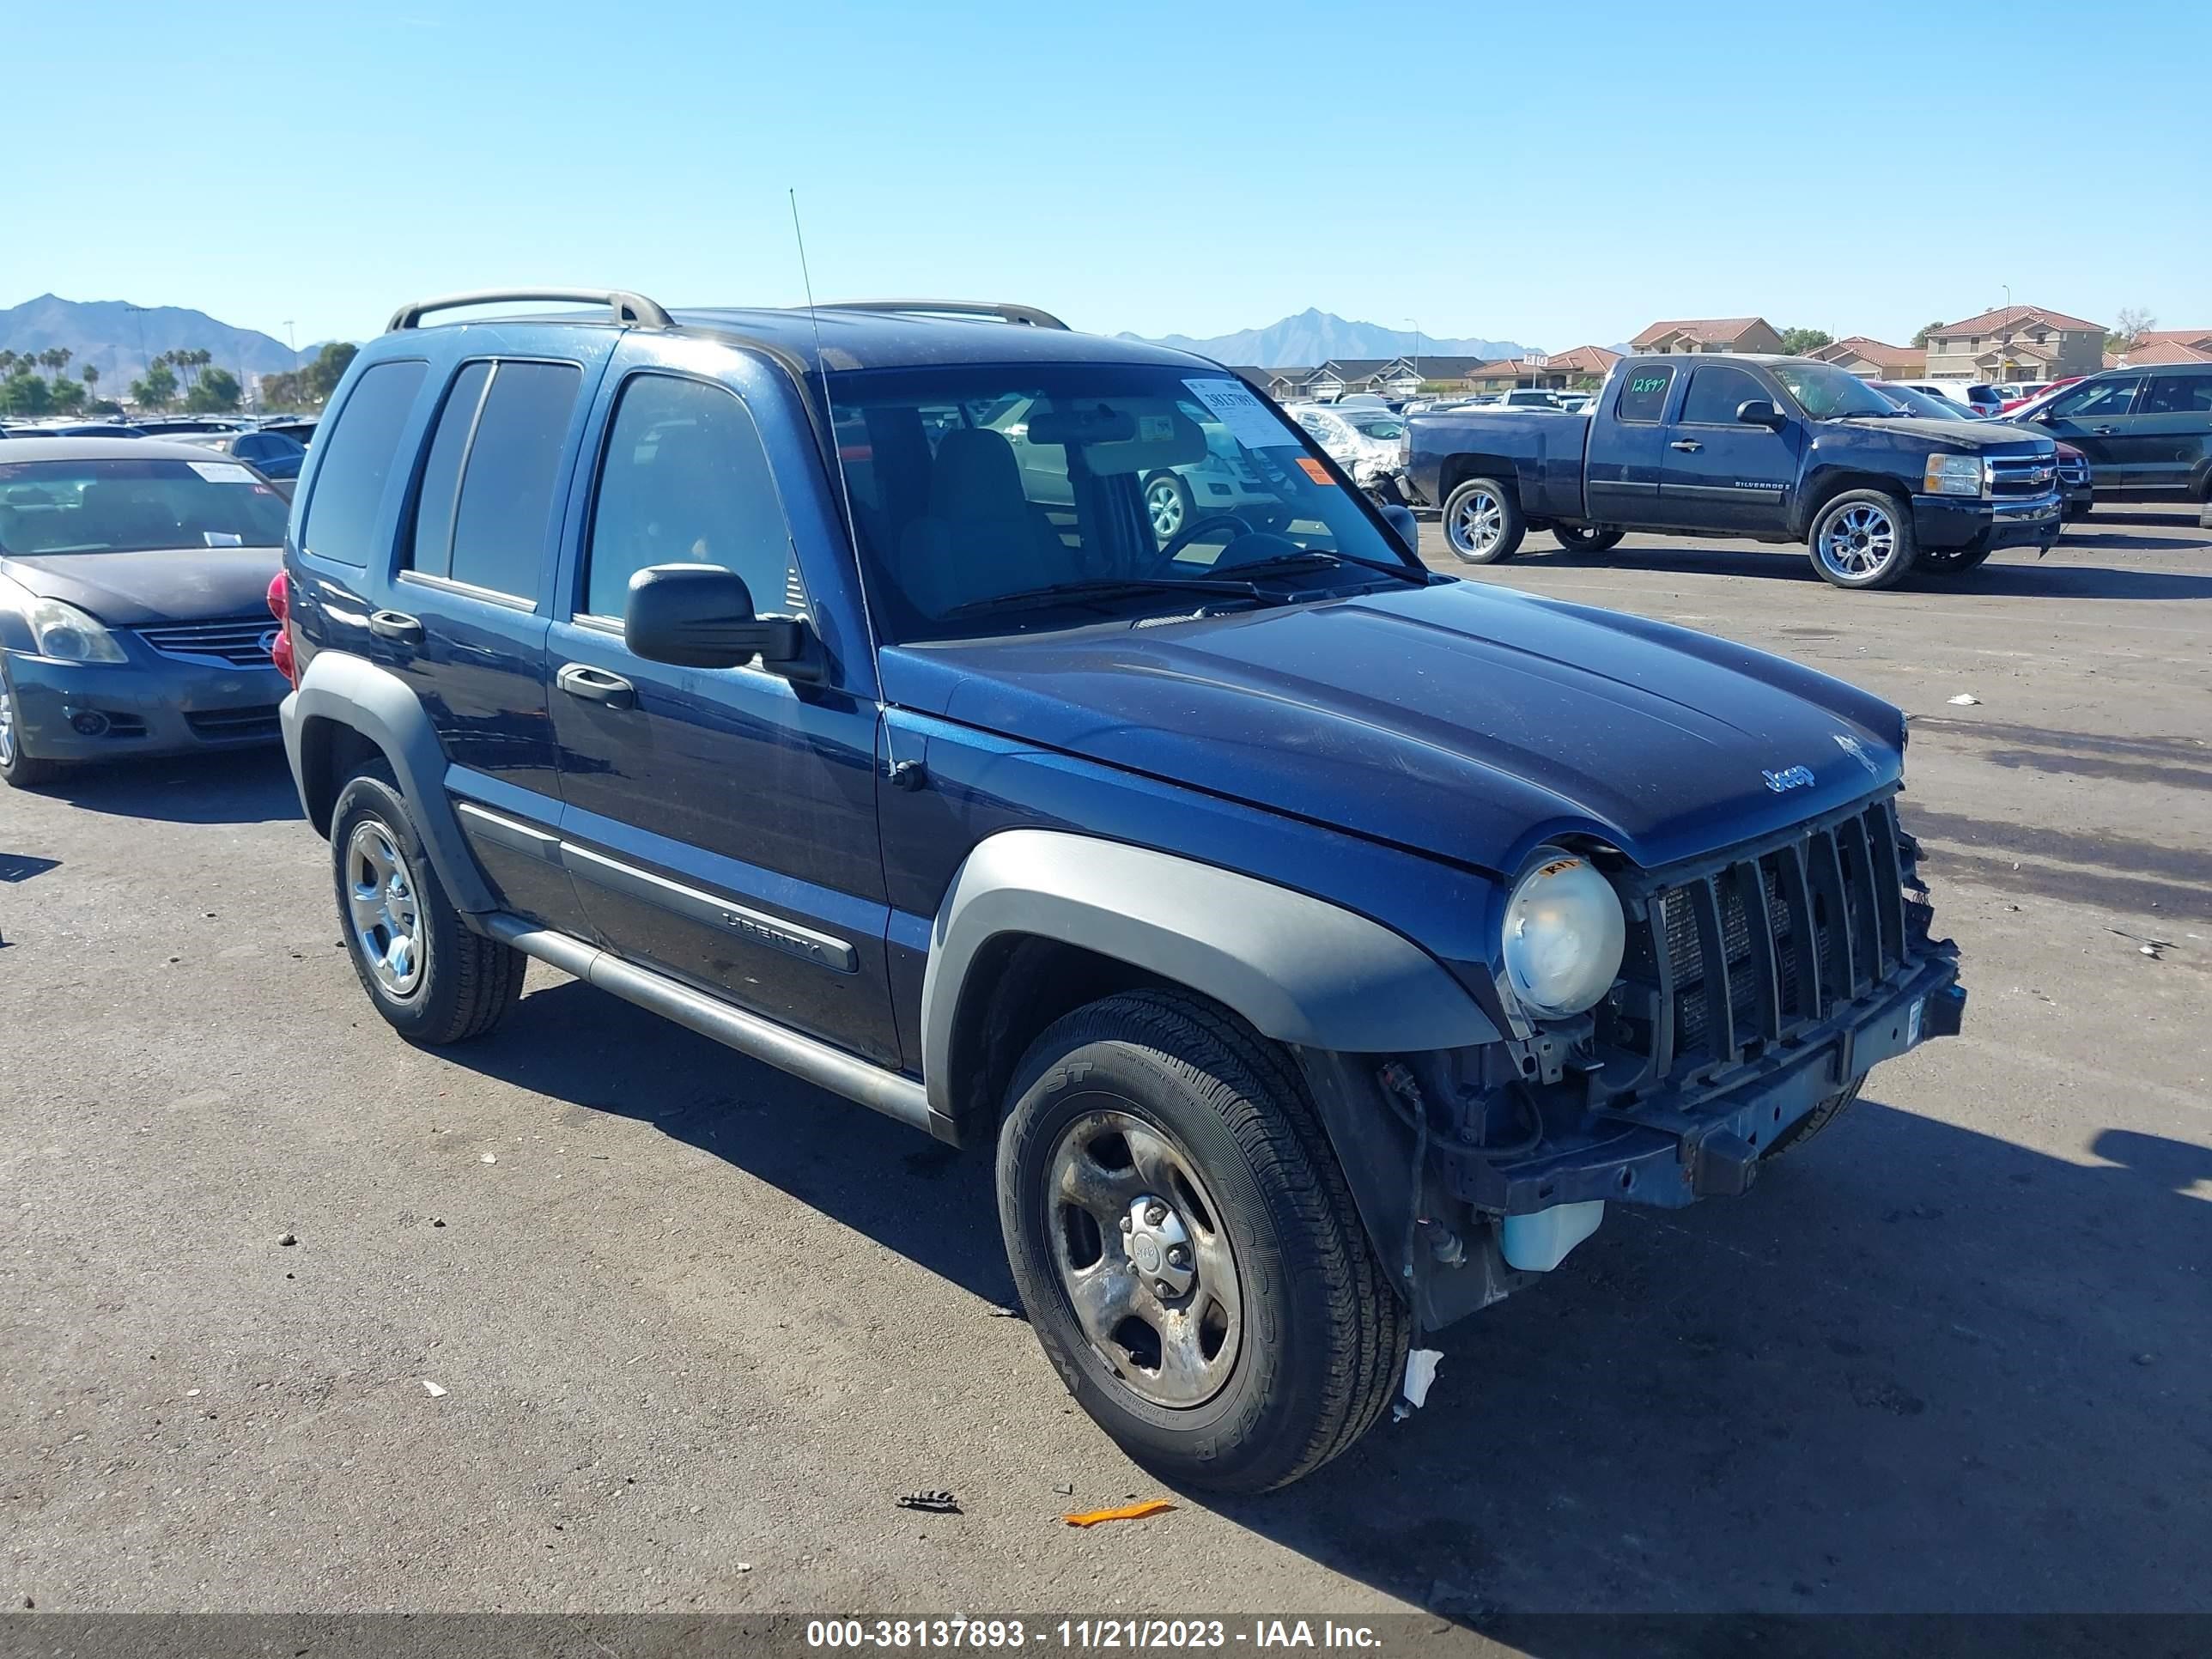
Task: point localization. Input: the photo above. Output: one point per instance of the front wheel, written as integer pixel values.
(1864, 539)
(1587, 538)
(19, 769)
(1483, 522)
(1186, 1247)
(1953, 561)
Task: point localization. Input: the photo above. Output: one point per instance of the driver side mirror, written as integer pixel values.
(701, 616)
(1408, 529)
(1758, 411)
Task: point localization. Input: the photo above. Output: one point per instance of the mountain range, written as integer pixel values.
(107, 332)
(1313, 338)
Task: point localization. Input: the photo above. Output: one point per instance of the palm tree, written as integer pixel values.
(57, 359)
(90, 376)
(7, 364)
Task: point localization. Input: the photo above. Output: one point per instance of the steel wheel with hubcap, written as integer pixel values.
(1186, 1247)
(1483, 523)
(1863, 538)
(1143, 1258)
(1167, 504)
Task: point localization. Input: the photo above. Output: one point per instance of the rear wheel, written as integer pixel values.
(1864, 539)
(1587, 538)
(1483, 522)
(433, 981)
(20, 769)
(1186, 1247)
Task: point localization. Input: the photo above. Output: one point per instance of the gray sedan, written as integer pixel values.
(134, 620)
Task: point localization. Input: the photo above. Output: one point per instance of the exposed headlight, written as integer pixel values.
(1564, 935)
(65, 632)
(1954, 475)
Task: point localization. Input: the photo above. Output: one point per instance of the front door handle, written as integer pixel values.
(1687, 446)
(596, 685)
(2104, 431)
(396, 625)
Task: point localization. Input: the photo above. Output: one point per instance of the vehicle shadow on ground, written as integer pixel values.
(246, 786)
(1928, 1369)
(2008, 574)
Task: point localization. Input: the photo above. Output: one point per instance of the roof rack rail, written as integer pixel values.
(627, 307)
(1031, 315)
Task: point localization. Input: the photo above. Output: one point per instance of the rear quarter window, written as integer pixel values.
(361, 449)
(1644, 394)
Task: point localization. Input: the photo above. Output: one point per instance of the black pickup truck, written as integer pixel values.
(1778, 449)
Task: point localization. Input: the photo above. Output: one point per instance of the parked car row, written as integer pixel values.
(858, 711)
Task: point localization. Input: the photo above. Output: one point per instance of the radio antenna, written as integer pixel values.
(844, 483)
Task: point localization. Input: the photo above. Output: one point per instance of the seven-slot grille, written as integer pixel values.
(1737, 960)
(238, 642)
(2021, 474)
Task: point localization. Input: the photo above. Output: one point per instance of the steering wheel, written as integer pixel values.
(1184, 536)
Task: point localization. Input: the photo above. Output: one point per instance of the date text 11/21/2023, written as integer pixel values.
(1085, 1635)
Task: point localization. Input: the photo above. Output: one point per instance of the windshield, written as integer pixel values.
(136, 506)
(976, 489)
(1827, 392)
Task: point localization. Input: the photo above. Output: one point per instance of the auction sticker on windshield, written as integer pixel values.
(221, 471)
(1233, 404)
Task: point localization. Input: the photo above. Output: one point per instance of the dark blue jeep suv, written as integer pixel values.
(1321, 941)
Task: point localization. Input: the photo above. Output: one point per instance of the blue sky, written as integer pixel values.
(1554, 172)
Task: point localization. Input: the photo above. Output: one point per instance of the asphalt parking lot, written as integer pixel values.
(696, 1326)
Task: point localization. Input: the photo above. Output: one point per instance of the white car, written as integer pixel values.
(1370, 444)
(1967, 394)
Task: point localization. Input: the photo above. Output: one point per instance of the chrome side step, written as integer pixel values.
(818, 1063)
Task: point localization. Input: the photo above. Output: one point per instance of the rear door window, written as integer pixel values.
(1644, 394)
(502, 431)
(2178, 394)
(362, 445)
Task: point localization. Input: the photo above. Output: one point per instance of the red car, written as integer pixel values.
(2042, 391)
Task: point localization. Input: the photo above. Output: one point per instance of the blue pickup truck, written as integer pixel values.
(1319, 943)
(1777, 449)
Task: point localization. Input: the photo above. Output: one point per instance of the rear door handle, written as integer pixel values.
(396, 625)
(1687, 446)
(596, 685)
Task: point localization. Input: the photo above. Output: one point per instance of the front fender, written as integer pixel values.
(339, 690)
(1298, 969)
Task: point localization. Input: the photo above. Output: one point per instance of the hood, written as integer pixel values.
(1463, 720)
(127, 590)
(1975, 436)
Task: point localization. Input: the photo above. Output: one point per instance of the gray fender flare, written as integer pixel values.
(1299, 969)
(352, 691)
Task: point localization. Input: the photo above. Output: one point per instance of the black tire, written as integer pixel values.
(1322, 1338)
(1815, 1120)
(19, 769)
(1587, 538)
(1953, 561)
(1483, 522)
(463, 984)
(1864, 539)
(1166, 495)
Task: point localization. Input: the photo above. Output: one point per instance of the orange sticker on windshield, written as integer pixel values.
(1314, 469)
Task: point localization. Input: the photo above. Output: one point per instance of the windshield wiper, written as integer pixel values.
(1102, 587)
(1307, 555)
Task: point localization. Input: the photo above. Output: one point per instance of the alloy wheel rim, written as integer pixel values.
(384, 909)
(1165, 502)
(1144, 1258)
(1858, 541)
(6, 726)
(1478, 523)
